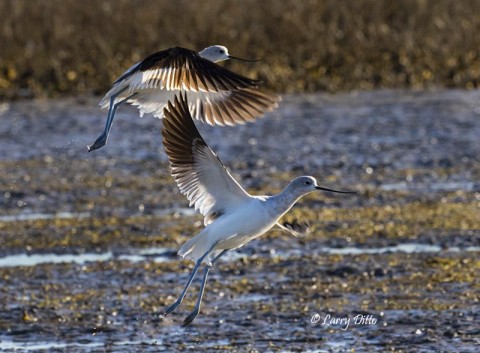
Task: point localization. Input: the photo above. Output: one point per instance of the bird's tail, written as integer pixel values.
(196, 247)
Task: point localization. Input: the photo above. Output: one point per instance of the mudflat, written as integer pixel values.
(88, 240)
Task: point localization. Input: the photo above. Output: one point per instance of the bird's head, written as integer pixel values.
(306, 184)
(216, 53)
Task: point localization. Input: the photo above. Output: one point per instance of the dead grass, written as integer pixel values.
(65, 47)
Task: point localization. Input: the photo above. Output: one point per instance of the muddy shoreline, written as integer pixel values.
(410, 238)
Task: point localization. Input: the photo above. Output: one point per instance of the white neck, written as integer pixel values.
(283, 202)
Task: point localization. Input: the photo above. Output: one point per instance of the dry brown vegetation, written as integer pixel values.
(58, 47)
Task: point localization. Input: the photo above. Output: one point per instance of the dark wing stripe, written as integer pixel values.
(237, 117)
(209, 114)
(243, 104)
(217, 114)
(203, 74)
(248, 100)
(212, 86)
(186, 78)
(232, 108)
(171, 81)
(221, 84)
(225, 113)
(195, 167)
(259, 100)
(202, 83)
(192, 79)
(175, 73)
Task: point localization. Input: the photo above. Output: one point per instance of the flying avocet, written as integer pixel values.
(217, 95)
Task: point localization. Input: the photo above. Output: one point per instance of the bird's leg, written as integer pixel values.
(180, 298)
(102, 139)
(184, 292)
(196, 309)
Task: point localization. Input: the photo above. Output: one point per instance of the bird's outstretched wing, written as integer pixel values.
(215, 94)
(233, 107)
(198, 172)
(221, 108)
(183, 69)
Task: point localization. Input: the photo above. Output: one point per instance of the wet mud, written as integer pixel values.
(88, 240)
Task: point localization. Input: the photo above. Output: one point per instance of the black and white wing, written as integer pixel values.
(215, 94)
(197, 170)
(183, 69)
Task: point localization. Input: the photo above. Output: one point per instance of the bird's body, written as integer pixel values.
(233, 217)
(215, 94)
(230, 231)
(250, 219)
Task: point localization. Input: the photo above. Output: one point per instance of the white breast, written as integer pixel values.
(245, 224)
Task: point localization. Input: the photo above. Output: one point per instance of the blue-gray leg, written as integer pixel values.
(102, 139)
(184, 292)
(196, 309)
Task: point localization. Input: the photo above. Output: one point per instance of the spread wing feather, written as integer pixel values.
(217, 95)
(198, 172)
(179, 68)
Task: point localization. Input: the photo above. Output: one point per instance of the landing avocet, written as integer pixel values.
(233, 217)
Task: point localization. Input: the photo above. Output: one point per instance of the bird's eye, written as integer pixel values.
(308, 182)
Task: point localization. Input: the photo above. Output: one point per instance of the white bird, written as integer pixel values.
(232, 216)
(217, 95)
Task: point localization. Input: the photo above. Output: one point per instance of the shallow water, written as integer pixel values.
(68, 346)
(163, 254)
(28, 216)
(441, 186)
(88, 241)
